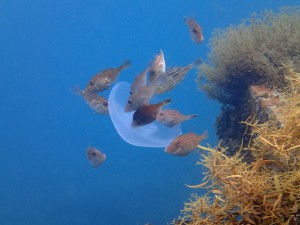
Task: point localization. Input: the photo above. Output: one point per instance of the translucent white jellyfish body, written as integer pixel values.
(151, 135)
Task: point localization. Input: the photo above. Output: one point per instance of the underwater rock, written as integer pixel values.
(264, 103)
(266, 189)
(254, 74)
(245, 55)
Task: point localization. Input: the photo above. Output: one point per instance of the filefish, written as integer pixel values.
(158, 67)
(184, 144)
(140, 98)
(147, 113)
(174, 76)
(97, 103)
(143, 95)
(195, 30)
(95, 157)
(105, 78)
(171, 118)
(140, 80)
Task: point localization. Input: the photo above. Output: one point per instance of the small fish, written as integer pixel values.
(105, 78)
(140, 80)
(98, 103)
(174, 76)
(158, 67)
(139, 98)
(142, 96)
(195, 29)
(171, 118)
(147, 113)
(184, 144)
(95, 157)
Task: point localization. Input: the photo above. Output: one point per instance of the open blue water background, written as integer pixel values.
(47, 48)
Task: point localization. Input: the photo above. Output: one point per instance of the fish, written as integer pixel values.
(195, 30)
(174, 76)
(185, 144)
(140, 80)
(142, 96)
(97, 103)
(147, 113)
(171, 118)
(105, 78)
(95, 157)
(158, 66)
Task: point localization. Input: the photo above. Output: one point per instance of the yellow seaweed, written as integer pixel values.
(265, 190)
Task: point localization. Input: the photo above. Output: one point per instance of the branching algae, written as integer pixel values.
(254, 68)
(245, 55)
(264, 191)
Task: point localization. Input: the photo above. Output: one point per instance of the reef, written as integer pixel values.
(263, 191)
(246, 55)
(253, 175)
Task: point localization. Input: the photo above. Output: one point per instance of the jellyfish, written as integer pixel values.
(152, 135)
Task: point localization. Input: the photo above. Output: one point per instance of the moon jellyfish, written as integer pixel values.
(151, 135)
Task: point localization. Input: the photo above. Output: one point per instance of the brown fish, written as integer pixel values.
(195, 29)
(171, 118)
(140, 80)
(98, 103)
(174, 76)
(105, 78)
(158, 67)
(143, 95)
(147, 113)
(184, 144)
(95, 157)
(140, 98)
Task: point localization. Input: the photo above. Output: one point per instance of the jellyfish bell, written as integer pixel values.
(151, 135)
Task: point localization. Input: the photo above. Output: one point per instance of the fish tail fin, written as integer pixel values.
(125, 64)
(167, 101)
(204, 135)
(197, 63)
(77, 90)
(193, 116)
(185, 19)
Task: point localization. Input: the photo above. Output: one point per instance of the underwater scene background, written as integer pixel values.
(49, 47)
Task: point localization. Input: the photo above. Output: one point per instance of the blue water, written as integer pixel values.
(47, 48)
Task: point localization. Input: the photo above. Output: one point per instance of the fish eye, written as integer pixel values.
(194, 30)
(129, 102)
(131, 92)
(92, 83)
(105, 104)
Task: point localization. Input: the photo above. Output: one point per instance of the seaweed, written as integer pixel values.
(265, 190)
(247, 54)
